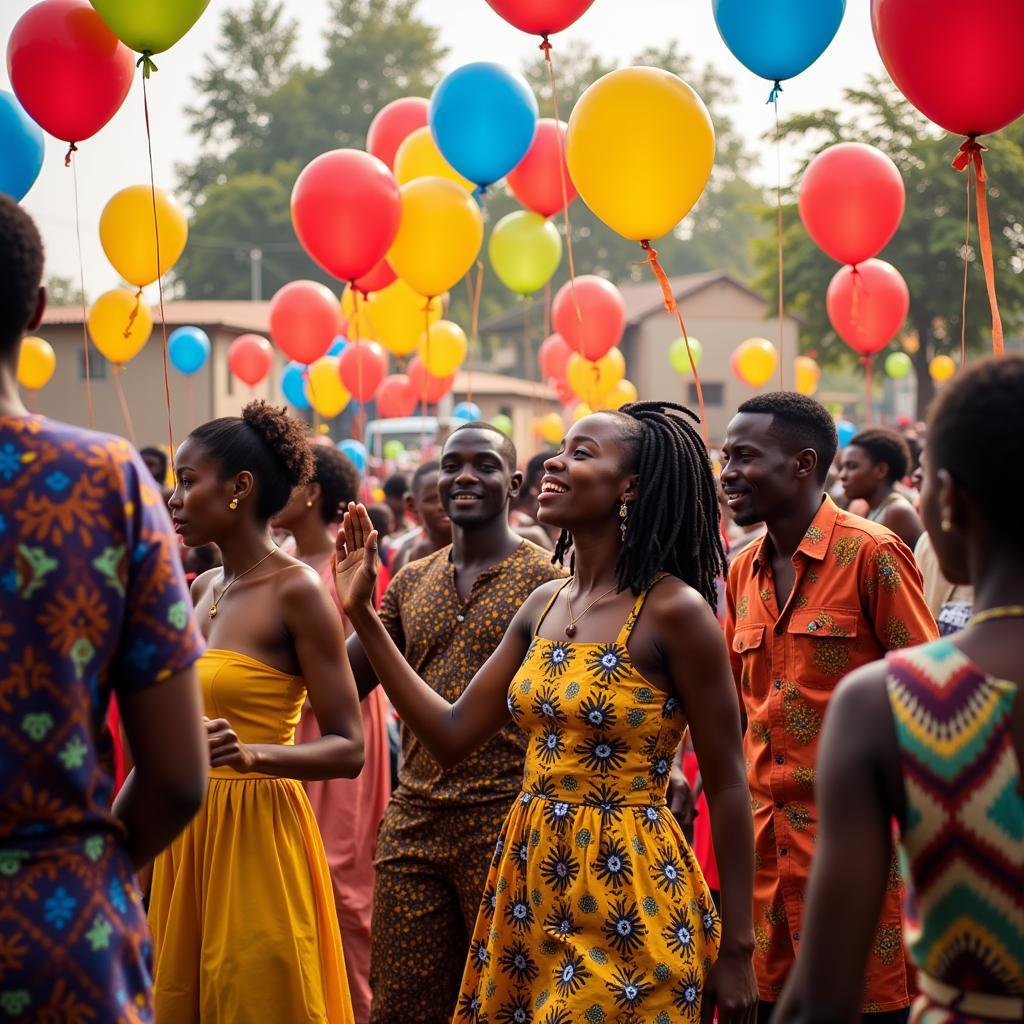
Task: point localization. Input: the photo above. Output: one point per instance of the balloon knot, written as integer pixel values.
(545, 46)
(67, 156)
(773, 96)
(146, 63)
(666, 288)
(971, 152)
(133, 314)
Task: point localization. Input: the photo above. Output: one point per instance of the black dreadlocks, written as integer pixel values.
(673, 525)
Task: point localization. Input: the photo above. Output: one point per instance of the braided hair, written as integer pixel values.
(673, 525)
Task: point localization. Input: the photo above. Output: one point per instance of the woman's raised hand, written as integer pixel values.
(355, 560)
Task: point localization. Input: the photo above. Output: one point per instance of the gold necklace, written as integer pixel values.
(1010, 611)
(217, 600)
(570, 630)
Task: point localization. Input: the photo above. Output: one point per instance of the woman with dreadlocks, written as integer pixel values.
(595, 908)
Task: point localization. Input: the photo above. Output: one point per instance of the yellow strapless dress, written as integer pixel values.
(242, 911)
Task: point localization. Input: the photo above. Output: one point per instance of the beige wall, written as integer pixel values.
(721, 316)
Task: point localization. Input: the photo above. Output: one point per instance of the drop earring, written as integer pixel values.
(233, 504)
(309, 504)
(947, 526)
(623, 514)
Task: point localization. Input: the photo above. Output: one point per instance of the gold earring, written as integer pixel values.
(233, 504)
(623, 513)
(309, 504)
(947, 526)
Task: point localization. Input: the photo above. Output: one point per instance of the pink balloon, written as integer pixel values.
(250, 358)
(380, 277)
(304, 320)
(566, 395)
(346, 209)
(393, 124)
(553, 355)
(396, 396)
(362, 366)
(851, 201)
(602, 319)
(426, 386)
(536, 181)
(868, 305)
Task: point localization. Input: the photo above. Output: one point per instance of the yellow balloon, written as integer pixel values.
(640, 147)
(419, 157)
(36, 363)
(941, 368)
(440, 235)
(550, 428)
(397, 316)
(114, 331)
(126, 231)
(443, 348)
(622, 394)
(593, 380)
(808, 373)
(580, 411)
(755, 361)
(323, 386)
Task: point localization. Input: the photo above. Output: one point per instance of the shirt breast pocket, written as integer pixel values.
(825, 642)
(748, 643)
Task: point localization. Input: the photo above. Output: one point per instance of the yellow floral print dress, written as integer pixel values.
(595, 909)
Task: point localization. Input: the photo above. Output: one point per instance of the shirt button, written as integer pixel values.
(779, 804)
(778, 684)
(780, 759)
(783, 851)
(778, 631)
(460, 617)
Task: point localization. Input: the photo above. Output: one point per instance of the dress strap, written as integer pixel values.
(547, 607)
(627, 627)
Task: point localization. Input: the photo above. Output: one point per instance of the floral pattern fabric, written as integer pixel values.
(595, 909)
(94, 602)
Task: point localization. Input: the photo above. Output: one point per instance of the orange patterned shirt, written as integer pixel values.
(856, 594)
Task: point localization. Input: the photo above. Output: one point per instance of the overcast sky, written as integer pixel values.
(116, 157)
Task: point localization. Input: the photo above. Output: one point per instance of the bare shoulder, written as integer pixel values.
(862, 697)
(674, 604)
(298, 584)
(201, 584)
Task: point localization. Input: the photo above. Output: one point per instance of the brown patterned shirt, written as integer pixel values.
(856, 594)
(446, 642)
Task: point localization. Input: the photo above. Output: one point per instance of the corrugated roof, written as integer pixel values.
(239, 314)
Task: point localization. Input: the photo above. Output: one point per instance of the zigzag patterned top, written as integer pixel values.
(963, 847)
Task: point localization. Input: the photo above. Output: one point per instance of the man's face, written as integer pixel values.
(475, 482)
(155, 465)
(429, 509)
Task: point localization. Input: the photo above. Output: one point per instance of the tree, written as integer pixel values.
(928, 248)
(62, 291)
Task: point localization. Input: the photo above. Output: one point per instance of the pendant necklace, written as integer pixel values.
(217, 600)
(570, 630)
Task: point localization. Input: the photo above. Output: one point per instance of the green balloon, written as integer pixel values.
(525, 250)
(149, 26)
(898, 365)
(502, 423)
(392, 449)
(679, 359)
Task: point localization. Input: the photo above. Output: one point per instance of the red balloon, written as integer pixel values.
(867, 305)
(920, 41)
(393, 124)
(851, 201)
(250, 358)
(536, 180)
(346, 208)
(362, 366)
(426, 386)
(566, 395)
(540, 17)
(598, 328)
(396, 396)
(552, 356)
(68, 70)
(380, 277)
(304, 319)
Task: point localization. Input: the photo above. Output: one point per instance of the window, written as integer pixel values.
(714, 393)
(99, 366)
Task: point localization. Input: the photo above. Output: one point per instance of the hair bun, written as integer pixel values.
(285, 436)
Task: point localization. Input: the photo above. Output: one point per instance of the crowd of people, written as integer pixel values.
(667, 717)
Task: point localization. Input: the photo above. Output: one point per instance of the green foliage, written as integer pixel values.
(927, 249)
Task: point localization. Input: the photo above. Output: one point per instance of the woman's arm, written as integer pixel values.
(449, 731)
(315, 627)
(698, 665)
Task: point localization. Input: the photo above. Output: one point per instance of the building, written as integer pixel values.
(213, 391)
(718, 310)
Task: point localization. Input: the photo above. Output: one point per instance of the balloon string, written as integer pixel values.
(869, 386)
(190, 410)
(773, 96)
(159, 267)
(474, 325)
(133, 314)
(547, 307)
(81, 284)
(778, 210)
(855, 284)
(72, 148)
(360, 419)
(546, 48)
(146, 63)
(967, 248)
(119, 388)
(971, 153)
(528, 357)
(672, 306)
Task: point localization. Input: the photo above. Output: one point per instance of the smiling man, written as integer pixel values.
(447, 613)
(823, 593)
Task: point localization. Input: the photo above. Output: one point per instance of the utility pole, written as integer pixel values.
(256, 274)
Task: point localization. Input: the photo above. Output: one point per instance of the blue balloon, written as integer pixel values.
(846, 431)
(188, 348)
(21, 142)
(337, 346)
(483, 118)
(293, 385)
(468, 411)
(355, 450)
(778, 39)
